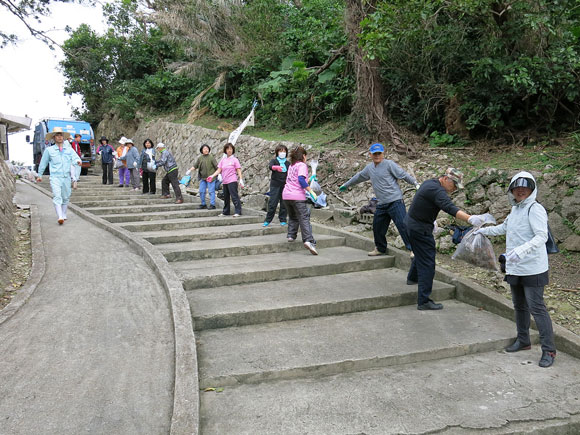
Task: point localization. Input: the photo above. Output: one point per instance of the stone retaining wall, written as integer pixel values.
(7, 221)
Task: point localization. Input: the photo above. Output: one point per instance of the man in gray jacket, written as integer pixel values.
(383, 175)
(171, 177)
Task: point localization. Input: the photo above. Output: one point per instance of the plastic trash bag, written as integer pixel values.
(487, 218)
(185, 180)
(476, 249)
(320, 201)
(315, 186)
(314, 166)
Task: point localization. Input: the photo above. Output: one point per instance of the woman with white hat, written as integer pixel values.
(60, 159)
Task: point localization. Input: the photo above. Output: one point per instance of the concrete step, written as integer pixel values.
(489, 393)
(176, 224)
(351, 342)
(110, 197)
(139, 200)
(236, 247)
(272, 267)
(301, 298)
(159, 215)
(142, 208)
(210, 233)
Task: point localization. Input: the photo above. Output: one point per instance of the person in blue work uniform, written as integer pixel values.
(383, 175)
(61, 160)
(526, 231)
(431, 197)
(106, 152)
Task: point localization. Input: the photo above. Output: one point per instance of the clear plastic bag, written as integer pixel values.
(315, 186)
(476, 249)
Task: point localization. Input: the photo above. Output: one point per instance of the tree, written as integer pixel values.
(29, 12)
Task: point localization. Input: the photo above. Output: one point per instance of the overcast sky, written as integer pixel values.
(30, 83)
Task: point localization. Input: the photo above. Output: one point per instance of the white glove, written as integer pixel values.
(241, 183)
(134, 164)
(477, 231)
(188, 172)
(435, 227)
(417, 186)
(512, 257)
(475, 220)
(115, 154)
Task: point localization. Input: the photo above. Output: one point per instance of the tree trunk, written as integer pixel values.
(368, 117)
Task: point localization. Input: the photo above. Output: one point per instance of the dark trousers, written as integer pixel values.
(531, 300)
(231, 189)
(422, 268)
(149, 182)
(275, 198)
(107, 172)
(171, 178)
(299, 216)
(396, 212)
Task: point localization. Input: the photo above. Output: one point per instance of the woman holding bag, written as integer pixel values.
(526, 230)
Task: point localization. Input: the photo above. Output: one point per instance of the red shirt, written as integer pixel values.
(77, 147)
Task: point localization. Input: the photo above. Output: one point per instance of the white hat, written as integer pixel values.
(123, 140)
(160, 145)
(129, 141)
(56, 130)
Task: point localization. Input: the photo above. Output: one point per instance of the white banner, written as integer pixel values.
(248, 121)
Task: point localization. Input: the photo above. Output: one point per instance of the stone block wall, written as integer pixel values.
(7, 221)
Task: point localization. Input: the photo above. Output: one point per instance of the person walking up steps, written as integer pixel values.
(294, 196)
(279, 166)
(383, 175)
(172, 175)
(205, 165)
(60, 159)
(230, 168)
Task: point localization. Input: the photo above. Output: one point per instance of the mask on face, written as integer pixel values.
(282, 155)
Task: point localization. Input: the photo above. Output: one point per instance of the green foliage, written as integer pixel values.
(514, 67)
(437, 139)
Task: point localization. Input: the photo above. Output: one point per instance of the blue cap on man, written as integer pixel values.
(377, 148)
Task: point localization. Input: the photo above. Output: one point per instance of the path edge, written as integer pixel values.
(185, 414)
(37, 269)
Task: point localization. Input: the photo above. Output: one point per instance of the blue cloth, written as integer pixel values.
(302, 181)
(282, 163)
(384, 213)
(377, 148)
(210, 187)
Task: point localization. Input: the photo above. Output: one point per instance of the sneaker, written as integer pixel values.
(265, 224)
(202, 206)
(74, 185)
(283, 224)
(517, 345)
(237, 215)
(290, 239)
(179, 201)
(136, 189)
(376, 253)
(222, 215)
(430, 306)
(211, 207)
(412, 255)
(411, 282)
(547, 359)
(120, 185)
(165, 196)
(311, 248)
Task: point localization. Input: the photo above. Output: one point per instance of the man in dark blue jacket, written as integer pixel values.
(106, 152)
(432, 196)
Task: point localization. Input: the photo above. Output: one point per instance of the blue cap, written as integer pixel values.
(377, 148)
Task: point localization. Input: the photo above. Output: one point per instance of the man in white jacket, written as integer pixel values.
(526, 230)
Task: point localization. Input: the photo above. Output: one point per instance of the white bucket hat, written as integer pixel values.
(55, 130)
(160, 145)
(123, 140)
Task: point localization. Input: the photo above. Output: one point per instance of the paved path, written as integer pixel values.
(92, 351)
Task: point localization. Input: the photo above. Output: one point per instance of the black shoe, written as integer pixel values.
(430, 306)
(409, 282)
(202, 206)
(211, 207)
(517, 346)
(547, 359)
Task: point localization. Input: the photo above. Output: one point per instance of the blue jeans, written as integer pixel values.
(396, 212)
(203, 186)
(422, 268)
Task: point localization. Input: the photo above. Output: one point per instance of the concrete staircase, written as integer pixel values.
(291, 343)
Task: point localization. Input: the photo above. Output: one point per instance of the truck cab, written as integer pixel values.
(72, 126)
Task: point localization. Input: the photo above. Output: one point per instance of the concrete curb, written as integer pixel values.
(185, 417)
(37, 270)
(466, 291)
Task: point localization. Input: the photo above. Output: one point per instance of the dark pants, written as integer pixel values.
(231, 189)
(396, 212)
(107, 172)
(149, 181)
(299, 216)
(275, 198)
(171, 177)
(531, 300)
(422, 268)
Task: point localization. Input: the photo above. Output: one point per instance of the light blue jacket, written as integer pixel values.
(526, 230)
(132, 157)
(59, 162)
